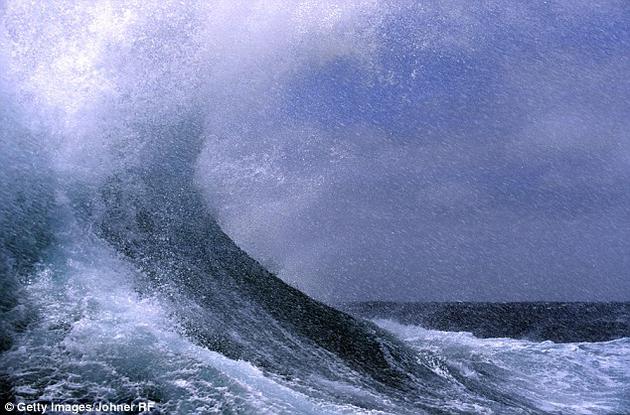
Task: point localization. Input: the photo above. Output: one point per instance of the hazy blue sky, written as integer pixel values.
(481, 153)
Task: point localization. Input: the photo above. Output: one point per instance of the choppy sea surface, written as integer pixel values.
(561, 357)
(90, 336)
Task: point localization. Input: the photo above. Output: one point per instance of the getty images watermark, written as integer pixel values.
(78, 408)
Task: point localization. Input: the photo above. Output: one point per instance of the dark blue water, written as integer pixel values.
(536, 321)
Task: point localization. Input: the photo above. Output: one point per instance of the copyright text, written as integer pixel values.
(77, 408)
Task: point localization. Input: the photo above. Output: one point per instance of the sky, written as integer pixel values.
(365, 150)
(481, 154)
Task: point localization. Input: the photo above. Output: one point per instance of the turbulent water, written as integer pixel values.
(118, 284)
(561, 378)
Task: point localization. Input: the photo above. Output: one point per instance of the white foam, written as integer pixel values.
(568, 378)
(99, 339)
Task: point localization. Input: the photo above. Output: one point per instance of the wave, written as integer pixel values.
(567, 378)
(103, 329)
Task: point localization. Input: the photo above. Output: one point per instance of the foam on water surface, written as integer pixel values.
(572, 378)
(97, 339)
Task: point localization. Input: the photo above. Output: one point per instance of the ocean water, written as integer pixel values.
(91, 335)
(570, 377)
(560, 322)
(97, 340)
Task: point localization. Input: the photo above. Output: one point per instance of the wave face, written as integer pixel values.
(118, 283)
